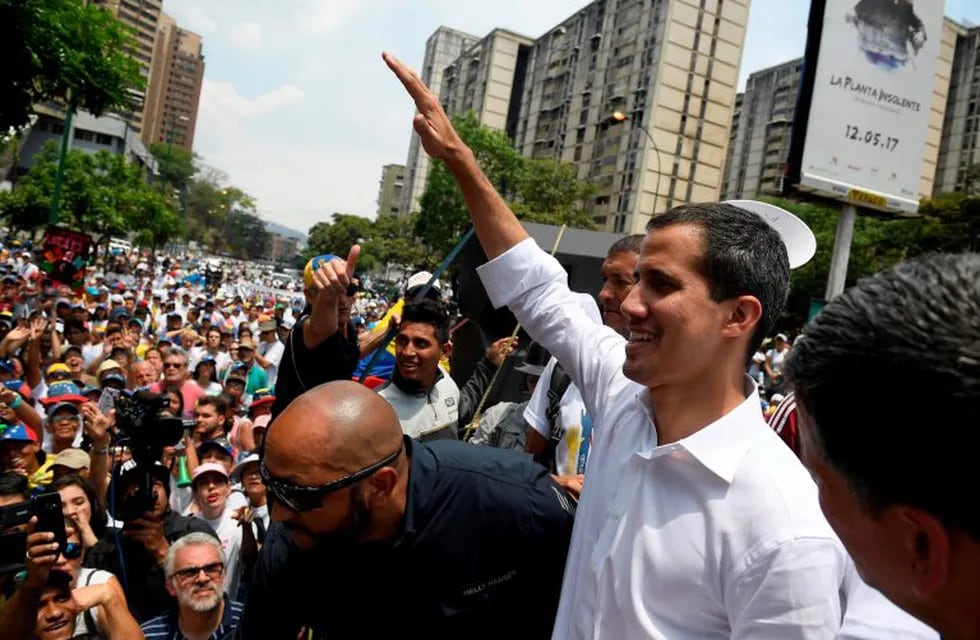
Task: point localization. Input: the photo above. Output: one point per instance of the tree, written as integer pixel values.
(948, 223)
(102, 194)
(443, 215)
(391, 241)
(175, 165)
(52, 46)
(549, 192)
(538, 190)
(337, 236)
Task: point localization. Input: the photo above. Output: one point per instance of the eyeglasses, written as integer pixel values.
(213, 571)
(173, 365)
(74, 417)
(305, 498)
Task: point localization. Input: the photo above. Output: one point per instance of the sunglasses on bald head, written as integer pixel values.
(301, 498)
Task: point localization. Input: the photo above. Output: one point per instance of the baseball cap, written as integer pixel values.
(782, 336)
(208, 467)
(18, 432)
(313, 265)
(69, 347)
(7, 365)
(261, 397)
(108, 365)
(262, 422)
(418, 280)
(113, 376)
(118, 312)
(57, 367)
(218, 443)
(73, 459)
(62, 392)
(247, 460)
(267, 325)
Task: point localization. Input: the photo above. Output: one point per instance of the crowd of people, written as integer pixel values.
(674, 464)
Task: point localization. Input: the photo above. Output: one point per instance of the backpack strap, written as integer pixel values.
(560, 381)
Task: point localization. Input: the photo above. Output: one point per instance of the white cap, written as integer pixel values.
(419, 279)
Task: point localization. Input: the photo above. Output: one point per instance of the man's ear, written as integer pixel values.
(447, 349)
(929, 549)
(744, 316)
(168, 583)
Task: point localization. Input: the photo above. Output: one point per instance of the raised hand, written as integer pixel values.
(500, 350)
(330, 282)
(436, 131)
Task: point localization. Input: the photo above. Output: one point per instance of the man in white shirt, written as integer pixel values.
(270, 351)
(696, 520)
(561, 431)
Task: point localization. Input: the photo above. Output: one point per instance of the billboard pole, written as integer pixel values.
(842, 251)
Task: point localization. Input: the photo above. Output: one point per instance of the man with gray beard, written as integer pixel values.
(194, 567)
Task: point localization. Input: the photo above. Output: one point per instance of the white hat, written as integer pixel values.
(800, 242)
(237, 471)
(419, 279)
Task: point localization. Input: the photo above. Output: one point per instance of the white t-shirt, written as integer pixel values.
(85, 578)
(272, 352)
(230, 535)
(572, 451)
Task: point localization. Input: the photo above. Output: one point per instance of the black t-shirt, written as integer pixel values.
(302, 369)
(481, 555)
(142, 578)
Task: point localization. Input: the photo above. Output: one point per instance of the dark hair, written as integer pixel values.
(98, 514)
(743, 255)
(180, 399)
(73, 324)
(909, 338)
(627, 244)
(219, 403)
(14, 484)
(429, 311)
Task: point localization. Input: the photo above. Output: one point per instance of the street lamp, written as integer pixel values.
(618, 117)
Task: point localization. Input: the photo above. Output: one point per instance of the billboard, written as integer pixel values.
(871, 100)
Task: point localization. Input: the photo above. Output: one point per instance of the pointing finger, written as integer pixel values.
(355, 253)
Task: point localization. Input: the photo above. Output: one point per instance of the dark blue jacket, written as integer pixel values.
(480, 555)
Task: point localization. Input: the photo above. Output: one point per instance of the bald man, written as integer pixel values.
(377, 535)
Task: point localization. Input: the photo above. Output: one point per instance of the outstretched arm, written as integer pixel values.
(496, 226)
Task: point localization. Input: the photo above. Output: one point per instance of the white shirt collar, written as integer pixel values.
(721, 445)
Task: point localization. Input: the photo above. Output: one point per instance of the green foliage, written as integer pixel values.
(948, 223)
(386, 240)
(175, 165)
(223, 216)
(549, 191)
(538, 190)
(49, 47)
(101, 194)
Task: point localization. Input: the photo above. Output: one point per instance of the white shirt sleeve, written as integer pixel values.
(534, 286)
(789, 593)
(536, 411)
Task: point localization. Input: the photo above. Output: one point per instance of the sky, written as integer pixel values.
(299, 110)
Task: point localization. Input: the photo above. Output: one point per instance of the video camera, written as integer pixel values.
(143, 429)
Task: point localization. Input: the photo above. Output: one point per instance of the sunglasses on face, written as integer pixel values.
(301, 498)
(72, 551)
(173, 365)
(213, 571)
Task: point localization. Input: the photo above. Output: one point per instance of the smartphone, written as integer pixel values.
(107, 401)
(47, 508)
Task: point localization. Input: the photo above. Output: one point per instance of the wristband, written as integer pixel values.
(17, 402)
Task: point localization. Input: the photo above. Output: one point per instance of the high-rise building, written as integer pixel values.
(390, 190)
(142, 17)
(442, 47)
(762, 126)
(958, 149)
(487, 79)
(671, 67)
(174, 90)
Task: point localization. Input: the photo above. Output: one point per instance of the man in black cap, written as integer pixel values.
(143, 540)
